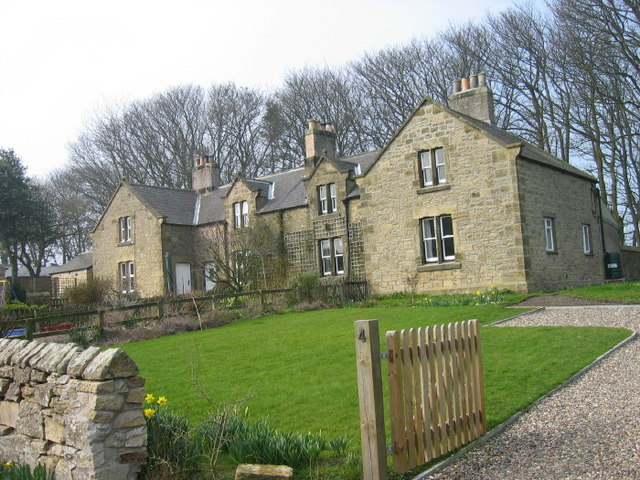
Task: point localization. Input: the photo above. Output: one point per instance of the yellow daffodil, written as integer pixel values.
(478, 292)
(162, 401)
(149, 398)
(149, 412)
(8, 464)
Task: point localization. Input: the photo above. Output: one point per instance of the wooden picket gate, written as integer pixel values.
(436, 393)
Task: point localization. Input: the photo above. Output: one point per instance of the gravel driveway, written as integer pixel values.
(589, 429)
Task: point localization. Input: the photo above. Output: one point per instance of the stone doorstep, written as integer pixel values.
(263, 472)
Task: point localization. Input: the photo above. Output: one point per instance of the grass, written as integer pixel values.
(624, 291)
(298, 369)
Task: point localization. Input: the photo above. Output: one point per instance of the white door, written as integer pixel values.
(209, 276)
(183, 278)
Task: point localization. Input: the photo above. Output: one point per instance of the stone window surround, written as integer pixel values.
(332, 258)
(438, 171)
(550, 242)
(327, 199)
(125, 231)
(126, 274)
(587, 245)
(439, 243)
(241, 214)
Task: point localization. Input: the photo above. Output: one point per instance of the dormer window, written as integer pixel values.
(327, 198)
(432, 167)
(241, 214)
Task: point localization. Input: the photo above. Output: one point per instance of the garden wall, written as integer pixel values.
(630, 259)
(77, 411)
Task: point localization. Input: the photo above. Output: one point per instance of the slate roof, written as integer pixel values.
(176, 205)
(79, 262)
(530, 152)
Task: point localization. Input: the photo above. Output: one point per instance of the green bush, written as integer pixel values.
(19, 292)
(131, 321)
(85, 336)
(93, 291)
(307, 287)
(11, 471)
(173, 451)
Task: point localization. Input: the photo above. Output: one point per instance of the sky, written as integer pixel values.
(63, 62)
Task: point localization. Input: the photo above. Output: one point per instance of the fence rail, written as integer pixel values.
(30, 323)
(435, 391)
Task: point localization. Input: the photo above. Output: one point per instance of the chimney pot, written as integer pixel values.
(482, 80)
(473, 81)
(456, 86)
(465, 84)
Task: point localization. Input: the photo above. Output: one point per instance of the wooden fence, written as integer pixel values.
(436, 392)
(32, 324)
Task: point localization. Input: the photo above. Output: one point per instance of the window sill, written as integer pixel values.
(552, 252)
(434, 267)
(124, 244)
(433, 188)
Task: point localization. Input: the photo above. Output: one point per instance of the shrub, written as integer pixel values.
(131, 321)
(93, 291)
(307, 287)
(173, 453)
(85, 336)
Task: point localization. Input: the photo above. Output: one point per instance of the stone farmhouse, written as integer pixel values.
(451, 204)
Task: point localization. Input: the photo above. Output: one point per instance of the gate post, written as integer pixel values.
(374, 451)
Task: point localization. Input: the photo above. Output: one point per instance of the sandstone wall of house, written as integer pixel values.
(630, 259)
(179, 241)
(145, 249)
(79, 412)
(479, 194)
(569, 201)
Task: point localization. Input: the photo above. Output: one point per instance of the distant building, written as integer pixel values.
(75, 272)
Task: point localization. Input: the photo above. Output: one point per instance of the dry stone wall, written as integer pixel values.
(79, 412)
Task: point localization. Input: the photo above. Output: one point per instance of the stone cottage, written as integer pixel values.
(451, 204)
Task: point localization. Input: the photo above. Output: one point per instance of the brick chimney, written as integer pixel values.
(473, 97)
(205, 175)
(319, 140)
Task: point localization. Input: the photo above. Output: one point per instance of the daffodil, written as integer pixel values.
(149, 412)
(478, 292)
(162, 401)
(8, 464)
(149, 398)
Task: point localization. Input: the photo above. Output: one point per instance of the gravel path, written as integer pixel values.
(587, 430)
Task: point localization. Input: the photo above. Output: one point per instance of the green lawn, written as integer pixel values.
(298, 369)
(625, 291)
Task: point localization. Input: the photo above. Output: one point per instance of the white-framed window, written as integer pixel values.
(331, 256)
(338, 256)
(325, 257)
(333, 193)
(124, 229)
(432, 167)
(327, 198)
(127, 277)
(245, 214)
(241, 214)
(586, 239)
(549, 234)
(209, 276)
(438, 243)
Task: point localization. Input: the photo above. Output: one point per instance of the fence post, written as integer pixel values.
(101, 318)
(28, 328)
(160, 310)
(374, 451)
